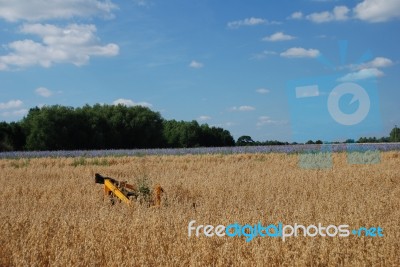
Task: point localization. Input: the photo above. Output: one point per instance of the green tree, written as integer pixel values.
(245, 140)
(191, 134)
(395, 134)
(5, 142)
(97, 127)
(105, 127)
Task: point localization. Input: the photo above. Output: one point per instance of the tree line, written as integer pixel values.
(105, 127)
(246, 140)
(121, 127)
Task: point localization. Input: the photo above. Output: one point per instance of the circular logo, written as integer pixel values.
(359, 94)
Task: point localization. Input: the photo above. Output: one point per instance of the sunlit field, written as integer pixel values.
(54, 214)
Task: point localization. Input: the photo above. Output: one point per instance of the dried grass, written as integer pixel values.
(53, 214)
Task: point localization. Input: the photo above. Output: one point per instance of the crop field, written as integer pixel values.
(54, 214)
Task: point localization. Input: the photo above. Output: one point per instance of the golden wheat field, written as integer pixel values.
(53, 213)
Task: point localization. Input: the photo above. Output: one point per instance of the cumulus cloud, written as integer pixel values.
(339, 13)
(299, 52)
(75, 44)
(265, 120)
(367, 10)
(243, 108)
(11, 104)
(249, 22)
(362, 75)
(204, 118)
(38, 10)
(143, 3)
(42, 91)
(296, 15)
(263, 91)
(377, 10)
(278, 36)
(263, 54)
(367, 70)
(378, 62)
(130, 103)
(196, 65)
(15, 113)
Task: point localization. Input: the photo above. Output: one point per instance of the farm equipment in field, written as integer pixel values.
(126, 192)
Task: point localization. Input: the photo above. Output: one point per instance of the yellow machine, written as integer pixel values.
(125, 192)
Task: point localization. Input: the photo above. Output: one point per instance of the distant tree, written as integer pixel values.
(215, 136)
(349, 141)
(121, 127)
(395, 134)
(12, 137)
(274, 143)
(367, 140)
(318, 142)
(5, 142)
(182, 134)
(191, 134)
(97, 127)
(245, 140)
(17, 135)
(310, 142)
(384, 139)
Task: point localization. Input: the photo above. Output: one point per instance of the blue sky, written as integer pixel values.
(226, 63)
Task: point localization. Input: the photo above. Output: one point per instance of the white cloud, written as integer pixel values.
(296, 15)
(11, 104)
(378, 62)
(366, 10)
(263, 54)
(3, 66)
(278, 36)
(377, 10)
(339, 13)
(249, 22)
(265, 120)
(263, 91)
(362, 75)
(143, 3)
(75, 44)
(42, 91)
(37, 10)
(225, 124)
(19, 113)
(367, 70)
(196, 65)
(204, 118)
(243, 108)
(320, 17)
(130, 103)
(299, 52)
